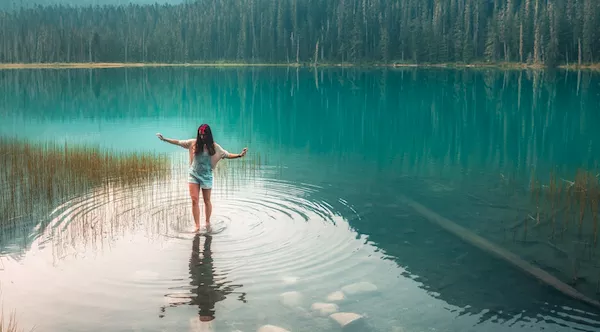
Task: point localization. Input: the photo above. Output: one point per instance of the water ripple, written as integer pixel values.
(274, 228)
(280, 236)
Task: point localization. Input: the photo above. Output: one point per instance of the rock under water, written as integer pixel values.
(290, 280)
(350, 322)
(324, 309)
(359, 287)
(345, 318)
(271, 328)
(336, 296)
(291, 299)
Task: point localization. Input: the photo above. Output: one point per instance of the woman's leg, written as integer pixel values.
(195, 195)
(207, 204)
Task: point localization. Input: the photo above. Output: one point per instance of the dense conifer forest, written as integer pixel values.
(545, 32)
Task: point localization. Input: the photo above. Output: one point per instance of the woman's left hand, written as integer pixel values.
(244, 152)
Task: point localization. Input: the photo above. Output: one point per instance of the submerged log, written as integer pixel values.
(502, 253)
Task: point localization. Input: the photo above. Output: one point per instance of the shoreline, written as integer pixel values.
(107, 65)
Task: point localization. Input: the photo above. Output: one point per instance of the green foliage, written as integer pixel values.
(286, 31)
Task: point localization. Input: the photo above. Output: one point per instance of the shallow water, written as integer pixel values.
(317, 213)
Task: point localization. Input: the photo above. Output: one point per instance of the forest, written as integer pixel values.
(544, 32)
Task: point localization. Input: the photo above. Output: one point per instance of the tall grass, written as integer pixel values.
(10, 326)
(569, 225)
(37, 175)
(99, 209)
(577, 201)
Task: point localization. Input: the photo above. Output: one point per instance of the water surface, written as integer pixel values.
(318, 212)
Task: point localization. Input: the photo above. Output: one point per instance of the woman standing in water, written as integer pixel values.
(204, 156)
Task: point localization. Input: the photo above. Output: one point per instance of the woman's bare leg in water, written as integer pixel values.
(195, 195)
(207, 205)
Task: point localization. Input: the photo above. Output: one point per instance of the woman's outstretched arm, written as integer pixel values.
(171, 140)
(235, 156)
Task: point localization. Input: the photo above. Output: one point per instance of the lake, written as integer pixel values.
(318, 206)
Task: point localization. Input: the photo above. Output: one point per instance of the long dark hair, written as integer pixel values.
(208, 141)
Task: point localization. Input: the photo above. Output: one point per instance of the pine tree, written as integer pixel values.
(491, 44)
(547, 32)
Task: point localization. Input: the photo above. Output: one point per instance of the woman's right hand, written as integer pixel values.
(160, 136)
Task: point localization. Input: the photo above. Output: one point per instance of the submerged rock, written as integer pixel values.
(291, 299)
(271, 328)
(359, 287)
(347, 319)
(289, 280)
(324, 309)
(336, 296)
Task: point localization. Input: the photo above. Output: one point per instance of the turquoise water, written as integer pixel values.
(338, 147)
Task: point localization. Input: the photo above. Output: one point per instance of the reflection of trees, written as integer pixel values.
(208, 287)
(486, 120)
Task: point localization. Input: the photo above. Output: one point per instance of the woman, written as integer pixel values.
(204, 156)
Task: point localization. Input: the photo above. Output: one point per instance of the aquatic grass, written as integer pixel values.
(564, 195)
(11, 325)
(155, 208)
(36, 175)
(577, 202)
(581, 183)
(569, 198)
(536, 190)
(594, 201)
(554, 200)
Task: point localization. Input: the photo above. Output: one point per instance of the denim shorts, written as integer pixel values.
(205, 179)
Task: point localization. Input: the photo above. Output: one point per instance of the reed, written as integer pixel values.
(37, 175)
(581, 182)
(572, 199)
(569, 201)
(556, 200)
(536, 189)
(594, 194)
(111, 212)
(101, 209)
(11, 325)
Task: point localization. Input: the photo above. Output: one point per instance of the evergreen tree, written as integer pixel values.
(285, 31)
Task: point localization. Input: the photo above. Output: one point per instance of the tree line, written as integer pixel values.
(545, 32)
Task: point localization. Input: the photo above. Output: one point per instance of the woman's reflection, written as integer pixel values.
(208, 288)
